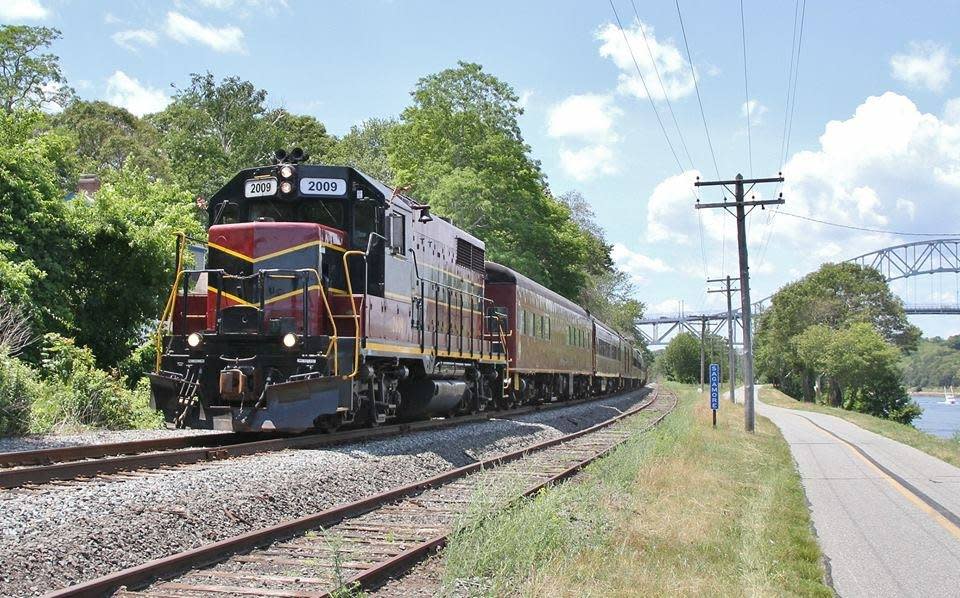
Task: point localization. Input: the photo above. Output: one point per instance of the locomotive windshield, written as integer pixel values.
(328, 212)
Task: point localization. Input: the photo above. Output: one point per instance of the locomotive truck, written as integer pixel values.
(327, 298)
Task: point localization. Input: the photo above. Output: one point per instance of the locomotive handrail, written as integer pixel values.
(353, 308)
(171, 299)
(483, 300)
(271, 273)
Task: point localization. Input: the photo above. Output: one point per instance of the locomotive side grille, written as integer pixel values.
(469, 255)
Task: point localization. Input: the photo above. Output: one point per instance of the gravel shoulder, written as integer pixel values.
(45, 441)
(76, 532)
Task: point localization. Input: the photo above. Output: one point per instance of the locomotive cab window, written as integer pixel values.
(365, 220)
(396, 233)
(323, 211)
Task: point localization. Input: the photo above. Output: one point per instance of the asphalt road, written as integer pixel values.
(887, 516)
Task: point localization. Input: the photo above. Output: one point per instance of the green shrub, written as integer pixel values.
(78, 395)
(141, 360)
(19, 388)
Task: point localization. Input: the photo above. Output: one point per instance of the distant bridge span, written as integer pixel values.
(894, 263)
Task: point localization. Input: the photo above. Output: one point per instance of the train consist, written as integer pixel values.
(328, 298)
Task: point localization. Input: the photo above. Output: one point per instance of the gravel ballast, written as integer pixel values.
(48, 441)
(84, 530)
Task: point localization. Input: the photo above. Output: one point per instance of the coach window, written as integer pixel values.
(546, 333)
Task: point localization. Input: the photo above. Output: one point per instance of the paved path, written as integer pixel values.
(887, 515)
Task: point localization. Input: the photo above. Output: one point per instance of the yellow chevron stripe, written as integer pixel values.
(261, 258)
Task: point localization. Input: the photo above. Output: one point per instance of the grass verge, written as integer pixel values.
(680, 510)
(941, 448)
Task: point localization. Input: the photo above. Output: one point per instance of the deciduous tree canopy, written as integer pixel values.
(838, 333)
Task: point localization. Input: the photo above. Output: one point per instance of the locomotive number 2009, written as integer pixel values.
(260, 187)
(323, 186)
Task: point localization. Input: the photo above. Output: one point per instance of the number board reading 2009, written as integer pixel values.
(311, 186)
(260, 187)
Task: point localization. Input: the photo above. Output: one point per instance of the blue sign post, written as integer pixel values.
(714, 390)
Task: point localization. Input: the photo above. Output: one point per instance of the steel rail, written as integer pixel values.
(142, 575)
(73, 467)
(96, 451)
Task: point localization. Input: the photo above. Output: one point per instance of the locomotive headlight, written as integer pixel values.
(194, 340)
(286, 172)
(290, 340)
(286, 187)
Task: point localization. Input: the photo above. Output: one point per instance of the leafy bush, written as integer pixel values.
(19, 388)
(135, 366)
(77, 394)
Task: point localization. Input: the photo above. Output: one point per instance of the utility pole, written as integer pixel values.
(731, 358)
(703, 330)
(741, 205)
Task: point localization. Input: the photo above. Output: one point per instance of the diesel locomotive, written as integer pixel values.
(324, 298)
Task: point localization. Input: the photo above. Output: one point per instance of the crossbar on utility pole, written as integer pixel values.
(731, 358)
(740, 203)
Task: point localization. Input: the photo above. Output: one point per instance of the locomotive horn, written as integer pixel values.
(297, 155)
(279, 156)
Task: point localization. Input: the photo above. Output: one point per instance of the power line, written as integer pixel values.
(796, 75)
(663, 87)
(870, 230)
(746, 89)
(706, 131)
(645, 88)
(696, 86)
(663, 129)
(790, 106)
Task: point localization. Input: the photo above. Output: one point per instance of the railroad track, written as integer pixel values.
(34, 468)
(360, 545)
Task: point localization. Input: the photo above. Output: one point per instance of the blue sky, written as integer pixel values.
(875, 138)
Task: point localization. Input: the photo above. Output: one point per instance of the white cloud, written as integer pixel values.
(637, 265)
(130, 38)
(111, 19)
(588, 162)
(525, 97)
(587, 117)
(244, 8)
(888, 167)
(127, 92)
(951, 111)
(926, 65)
(756, 111)
(23, 10)
(185, 30)
(673, 69)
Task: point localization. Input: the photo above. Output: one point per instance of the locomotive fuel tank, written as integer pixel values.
(423, 397)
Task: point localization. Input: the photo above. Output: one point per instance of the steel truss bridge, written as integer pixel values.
(905, 261)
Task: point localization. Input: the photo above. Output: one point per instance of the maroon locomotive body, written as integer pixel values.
(328, 298)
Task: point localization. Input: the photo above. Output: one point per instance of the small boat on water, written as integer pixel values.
(949, 398)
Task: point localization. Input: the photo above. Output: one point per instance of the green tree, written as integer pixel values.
(108, 136)
(835, 296)
(460, 148)
(124, 247)
(213, 129)
(365, 148)
(864, 375)
(305, 132)
(681, 359)
(38, 242)
(29, 78)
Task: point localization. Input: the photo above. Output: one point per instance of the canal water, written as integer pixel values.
(938, 418)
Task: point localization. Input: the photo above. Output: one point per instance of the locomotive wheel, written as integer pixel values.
(330, 423)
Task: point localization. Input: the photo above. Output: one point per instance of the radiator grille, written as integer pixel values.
(469, 255)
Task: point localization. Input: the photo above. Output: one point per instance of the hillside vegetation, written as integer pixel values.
(934, 365)
(93, 270)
